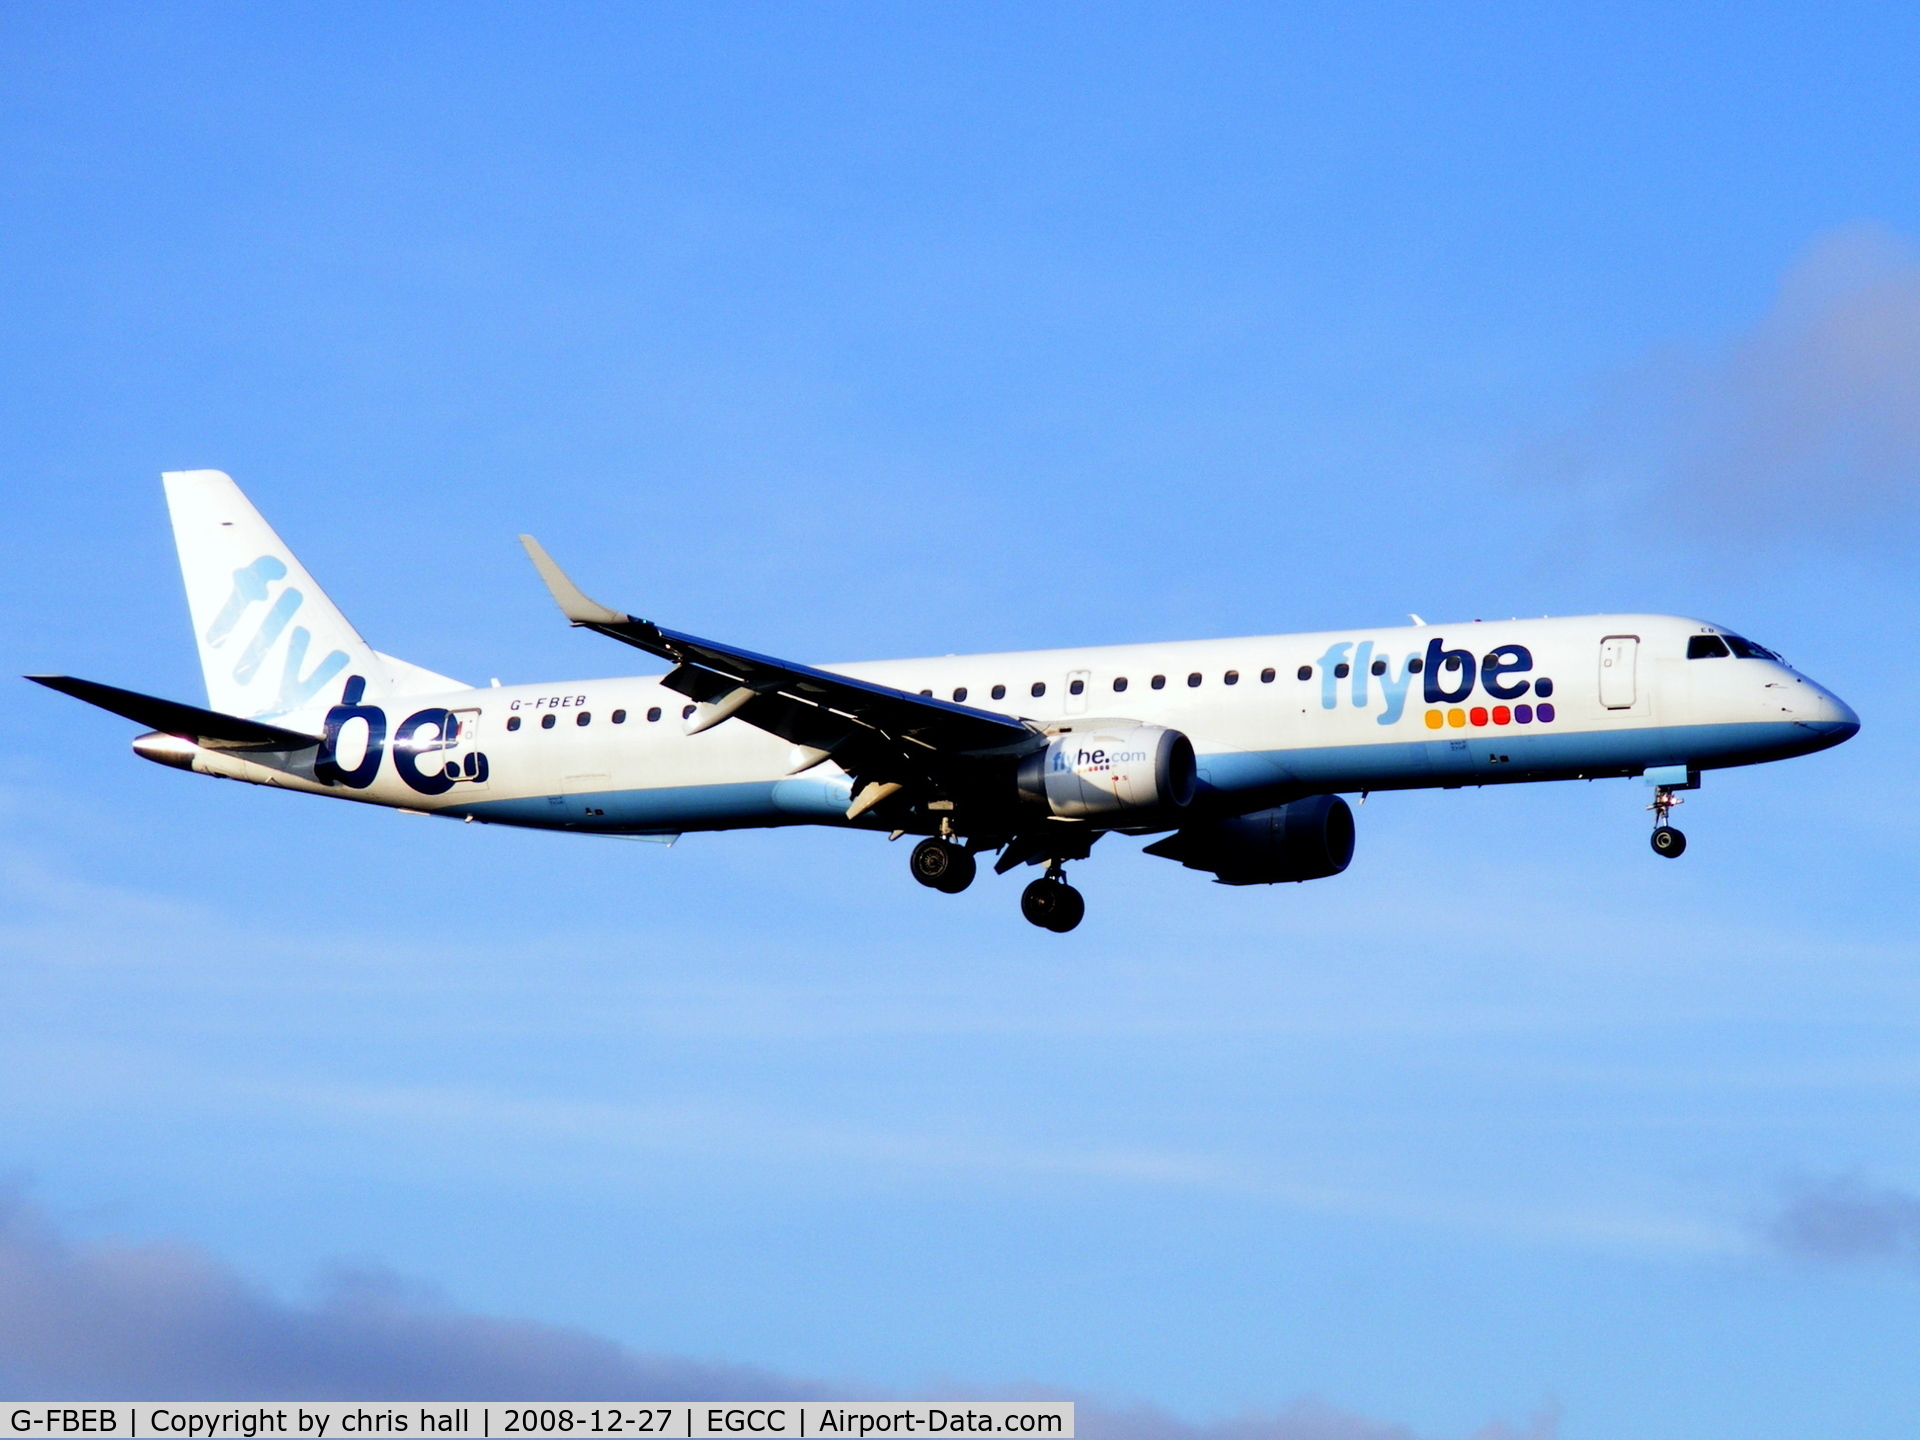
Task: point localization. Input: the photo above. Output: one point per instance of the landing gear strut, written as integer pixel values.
(942, 866)
(1666, 841)
(1051, 903)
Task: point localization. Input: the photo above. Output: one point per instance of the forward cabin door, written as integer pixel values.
(1619, 654)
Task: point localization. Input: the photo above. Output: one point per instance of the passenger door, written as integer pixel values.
(1619, 655)
(461, 745)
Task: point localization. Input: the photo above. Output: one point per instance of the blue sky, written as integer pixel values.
(848, 332)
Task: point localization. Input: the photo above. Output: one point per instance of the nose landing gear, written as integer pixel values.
(1667, 841)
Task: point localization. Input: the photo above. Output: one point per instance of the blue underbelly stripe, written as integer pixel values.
(1479, 758)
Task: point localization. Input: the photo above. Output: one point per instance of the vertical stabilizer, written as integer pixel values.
(272, 645)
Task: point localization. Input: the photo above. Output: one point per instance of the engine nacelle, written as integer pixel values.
(1100, 773)
(1307, 840)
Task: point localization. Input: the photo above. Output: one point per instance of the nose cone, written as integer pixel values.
(1830, 717)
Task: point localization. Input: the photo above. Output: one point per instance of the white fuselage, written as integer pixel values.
(1620, 698)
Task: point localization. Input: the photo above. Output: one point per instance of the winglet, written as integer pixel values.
(573, 604)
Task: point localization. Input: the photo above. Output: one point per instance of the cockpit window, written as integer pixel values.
(1706, 647)
(1747, 650)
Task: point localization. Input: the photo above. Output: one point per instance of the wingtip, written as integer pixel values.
(573, 602)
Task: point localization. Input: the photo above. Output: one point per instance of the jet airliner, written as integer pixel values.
(1233, 753)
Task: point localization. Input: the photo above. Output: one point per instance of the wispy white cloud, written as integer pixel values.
(171, 1322)
(1807, 419)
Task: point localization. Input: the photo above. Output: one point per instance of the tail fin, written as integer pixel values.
(272, 645)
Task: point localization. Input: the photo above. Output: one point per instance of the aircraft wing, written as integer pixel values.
(813, 708)
(204, 727)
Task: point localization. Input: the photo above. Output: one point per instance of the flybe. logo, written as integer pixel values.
(250, 586)
(1448, 679)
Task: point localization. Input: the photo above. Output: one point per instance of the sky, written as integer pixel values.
(850, 332)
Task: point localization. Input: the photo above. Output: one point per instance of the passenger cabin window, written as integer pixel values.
(1416, 665)
(959, 693)
(546, 722)
(1119, 683)
(686, 712)
(653, 714)
(1039, 689)
(927, 693)
(1305, 672)
(583, 718)
(1266, 676)
(1706, 647)
(1342, 670)
(1232, 677)
(999, 692)
(1453, 662)
(1193, 680)
(1159, 682)
(619, 717)
(513, 722)
(1078, 687)
(1747, 650)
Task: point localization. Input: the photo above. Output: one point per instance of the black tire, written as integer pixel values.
(1052, 905)
(1038, 902)
(932, 863)
(1069, 910)
(1669, 842)
(960, 871)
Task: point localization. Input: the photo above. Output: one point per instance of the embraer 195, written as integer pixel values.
(1233, 752)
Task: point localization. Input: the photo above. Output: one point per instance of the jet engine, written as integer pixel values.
(1098, 774)
(1306, 840)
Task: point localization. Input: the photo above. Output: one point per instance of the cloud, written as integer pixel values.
(1809, 418)
(163, 1322)
(169, 1322)
(1847, 1220)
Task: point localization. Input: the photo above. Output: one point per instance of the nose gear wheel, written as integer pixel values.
(1668, 842)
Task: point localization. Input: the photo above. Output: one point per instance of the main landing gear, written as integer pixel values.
(1666, 841)
(943, 866)
(1052, 904)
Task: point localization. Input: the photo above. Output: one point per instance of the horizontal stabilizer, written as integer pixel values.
(206, 727)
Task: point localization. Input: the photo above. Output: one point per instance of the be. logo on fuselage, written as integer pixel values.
(418, 746)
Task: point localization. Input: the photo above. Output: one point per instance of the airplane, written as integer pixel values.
(1235, 753)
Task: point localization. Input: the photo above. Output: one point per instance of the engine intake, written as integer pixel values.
(1306, 840)
(1095, 774)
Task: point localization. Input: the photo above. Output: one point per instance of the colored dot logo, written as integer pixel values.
(1479, 716)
